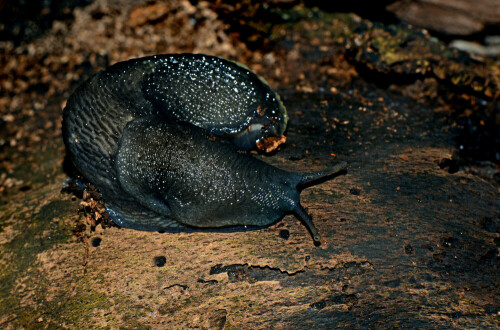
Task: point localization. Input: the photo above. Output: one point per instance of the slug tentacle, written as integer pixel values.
(143, 132)
(306, 219)
(310, 179)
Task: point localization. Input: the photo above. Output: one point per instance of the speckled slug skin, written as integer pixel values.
(142, 132)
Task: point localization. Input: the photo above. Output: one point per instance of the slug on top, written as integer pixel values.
(142, 131)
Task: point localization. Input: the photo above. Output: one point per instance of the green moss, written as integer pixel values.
(23, 282)
(131, 322)
(337, 26)
(78, 309)
(169, 308)
(40, 234)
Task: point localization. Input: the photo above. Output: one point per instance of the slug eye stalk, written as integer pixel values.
(310, 179)
(306, 219)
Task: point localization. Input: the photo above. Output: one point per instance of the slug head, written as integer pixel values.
(264, 132)
(267, 124)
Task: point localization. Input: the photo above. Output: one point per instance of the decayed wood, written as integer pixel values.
(405, 243)
(460, 17)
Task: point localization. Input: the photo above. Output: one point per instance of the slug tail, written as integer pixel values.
(301, 213)
(309, 179)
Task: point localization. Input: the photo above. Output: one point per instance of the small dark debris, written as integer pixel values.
(160, 261)
(73, 186)
(428, 247)
(307, 258)
(284, 233)
(453, 165)
(355, 191)
(408, 249)
(98, 14)
(200, 280)
(96, 241)
(236, 273)
(348, 299)
(25, 188)
(319, 305)
(251, 274)
(217, 269)
(343, 219)
(79, 228)
(350, 264)
(93, 207)
(182, 286)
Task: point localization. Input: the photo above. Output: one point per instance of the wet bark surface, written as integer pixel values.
(410, 235)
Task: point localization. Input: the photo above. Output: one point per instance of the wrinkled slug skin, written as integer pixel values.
(139, 131)
(176, 171)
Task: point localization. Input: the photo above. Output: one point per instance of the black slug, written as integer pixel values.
(160, 137)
